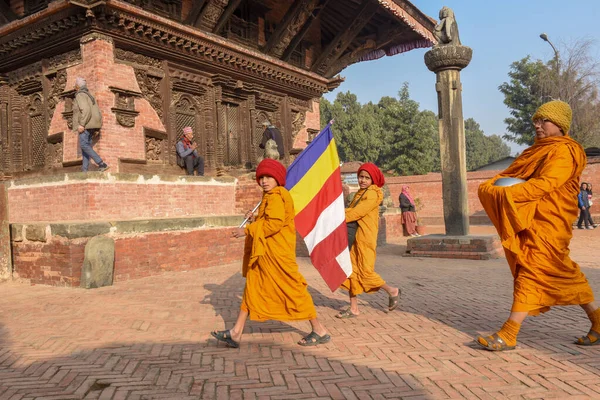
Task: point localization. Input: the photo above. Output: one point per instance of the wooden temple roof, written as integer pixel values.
(315, 39)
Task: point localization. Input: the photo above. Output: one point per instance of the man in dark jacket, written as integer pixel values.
(584, 207)
(87, 120)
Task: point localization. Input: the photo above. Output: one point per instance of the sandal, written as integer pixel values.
(493, 343)
(313, 339)
(225, 336)
(346, 314)
(591, 339)
(394, 301)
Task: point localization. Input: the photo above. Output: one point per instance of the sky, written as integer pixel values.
(499, 32)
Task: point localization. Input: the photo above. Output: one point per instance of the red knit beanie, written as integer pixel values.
(374, 171)
(272, 168)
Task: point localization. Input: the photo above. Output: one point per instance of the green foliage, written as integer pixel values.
(397, 136)
(482, 149)
(523, 96)
(573, 75)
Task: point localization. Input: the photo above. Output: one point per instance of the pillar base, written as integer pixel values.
(483, 247)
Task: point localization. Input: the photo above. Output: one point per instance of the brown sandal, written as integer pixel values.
(394, 301)
(493, 343)
(591, 339)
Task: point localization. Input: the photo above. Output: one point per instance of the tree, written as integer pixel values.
(356, 128)
(573, 76)
(409, 135)
(522, 96)
(482, 149)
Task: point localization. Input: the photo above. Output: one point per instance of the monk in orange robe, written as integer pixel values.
(275, 289)
(364, 209)
(534, 220)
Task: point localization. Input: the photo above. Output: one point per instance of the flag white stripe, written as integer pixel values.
(328, 221)
(344, 260)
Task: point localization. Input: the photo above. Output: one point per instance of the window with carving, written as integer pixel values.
(37, 124)
(242, 26)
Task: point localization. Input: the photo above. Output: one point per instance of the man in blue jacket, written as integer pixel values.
(186, 149)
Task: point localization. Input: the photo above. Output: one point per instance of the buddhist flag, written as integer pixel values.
(315, 183)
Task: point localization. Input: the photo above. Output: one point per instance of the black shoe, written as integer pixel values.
(103, 167)
(580, 227)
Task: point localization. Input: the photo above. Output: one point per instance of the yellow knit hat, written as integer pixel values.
(557, 112)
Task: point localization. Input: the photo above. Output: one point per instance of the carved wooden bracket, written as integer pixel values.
(124, 107)
(68, 97)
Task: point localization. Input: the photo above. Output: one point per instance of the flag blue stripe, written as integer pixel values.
(308, 157)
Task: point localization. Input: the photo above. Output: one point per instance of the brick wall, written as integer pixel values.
(100, 71)
(5, 259)
(312, 121)
(58, 261)
(429, 188)
(81, 197)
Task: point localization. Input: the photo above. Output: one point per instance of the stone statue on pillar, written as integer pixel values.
(446, 31)
(447, 58)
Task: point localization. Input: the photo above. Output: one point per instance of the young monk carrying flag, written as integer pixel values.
(275, 289)
(534, 220)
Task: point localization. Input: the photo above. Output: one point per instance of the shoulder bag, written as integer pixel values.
(353, 225)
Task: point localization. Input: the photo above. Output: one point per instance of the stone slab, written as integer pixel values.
(98, 263)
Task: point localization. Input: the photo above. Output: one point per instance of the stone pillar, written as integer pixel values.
(447, 61)
(5, 248)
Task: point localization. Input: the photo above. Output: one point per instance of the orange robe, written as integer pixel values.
(534, 221)
(274, 289)
(363, 252)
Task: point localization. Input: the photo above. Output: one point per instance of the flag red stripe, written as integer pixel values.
(324, 256)
(307, 218)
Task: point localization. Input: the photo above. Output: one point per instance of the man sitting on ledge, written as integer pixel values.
(186, 150)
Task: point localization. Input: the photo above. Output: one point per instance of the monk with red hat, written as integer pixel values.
(275, 289)
(364, 208)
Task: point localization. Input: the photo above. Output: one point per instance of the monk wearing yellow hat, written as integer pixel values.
(534, 220)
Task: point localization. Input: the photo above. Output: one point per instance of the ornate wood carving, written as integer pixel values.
(308, 24)
(293, 21)
(136, 59)
(58, 82)
(166, 8)
(211, 13)
(194, 14)
(227, 13)
(64, 60)
(68, 97)
(298, 119)
(15, 42)
(36, 151)
(156, 145)
(204, 51)
(340, 43)
(124, 108)
(54, 150)
(150, 86)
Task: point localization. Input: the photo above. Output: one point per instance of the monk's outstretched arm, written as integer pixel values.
(555, 172)
(364, 206)
(274, 215)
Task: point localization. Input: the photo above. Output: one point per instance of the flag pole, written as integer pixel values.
(253, 210)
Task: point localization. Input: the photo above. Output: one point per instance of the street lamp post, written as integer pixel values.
(544, 37)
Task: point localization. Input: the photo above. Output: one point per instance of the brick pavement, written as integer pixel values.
(149, 339)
